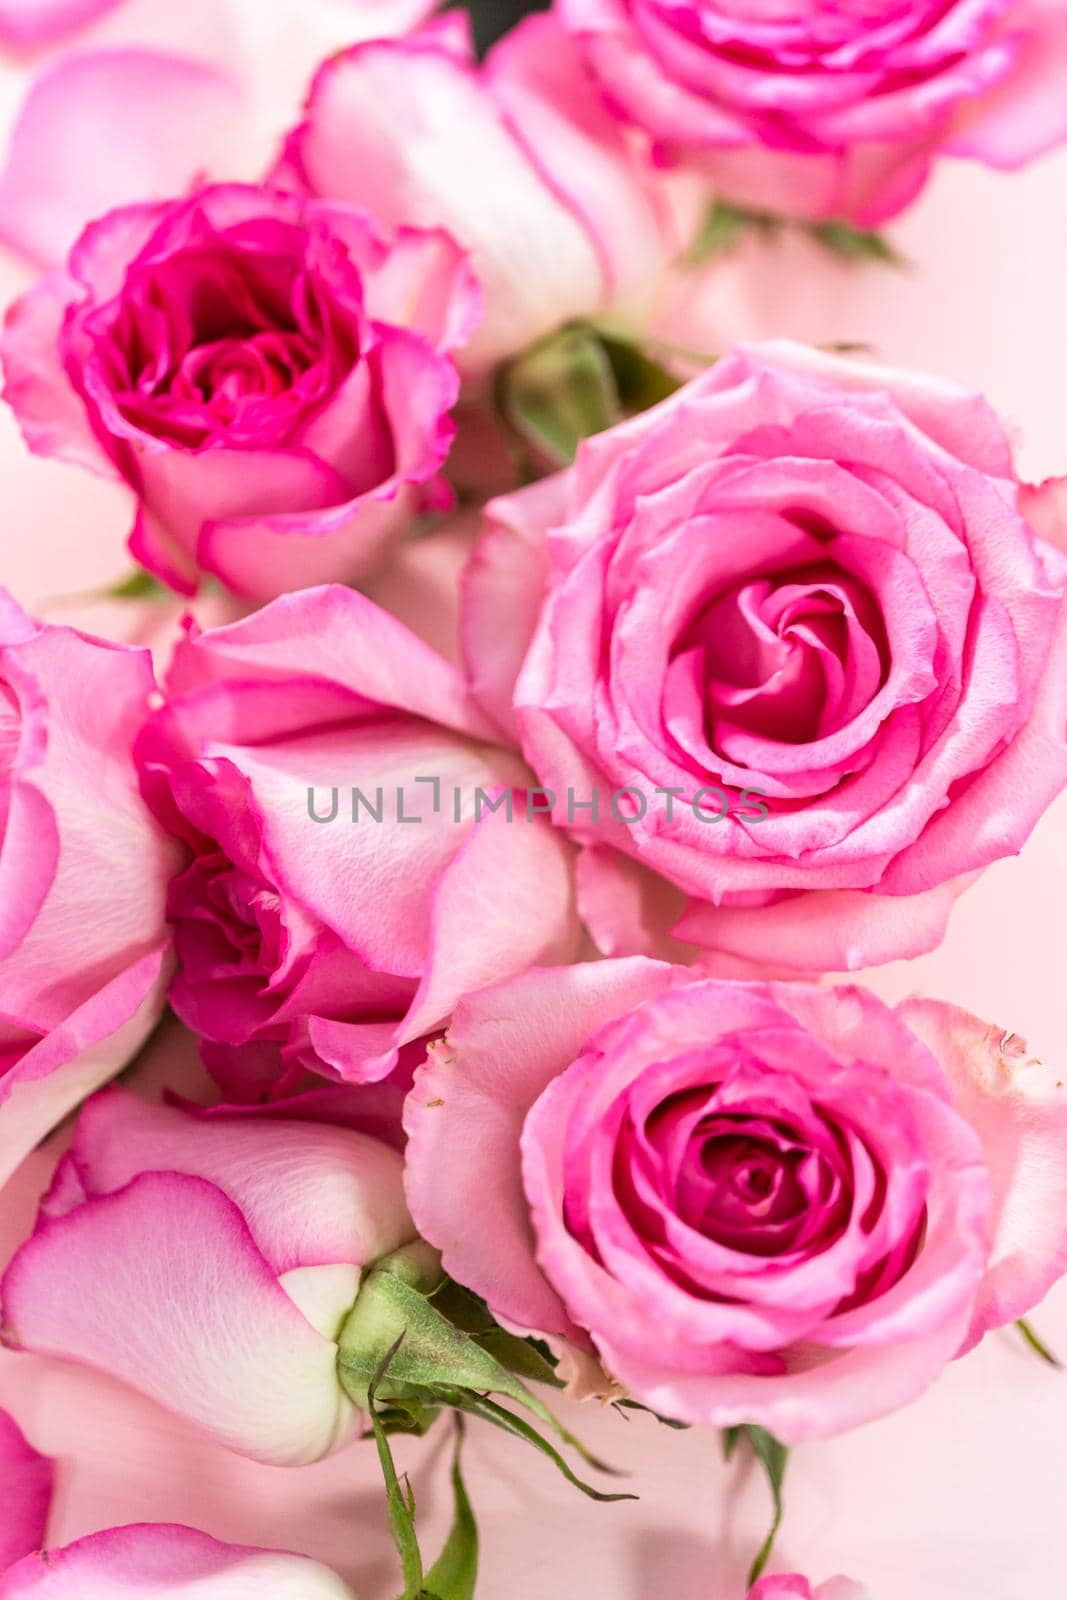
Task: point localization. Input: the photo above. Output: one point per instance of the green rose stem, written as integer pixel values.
(455, 1572)
(399, 1349)
(773, 1457)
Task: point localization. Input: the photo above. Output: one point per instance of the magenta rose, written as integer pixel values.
(84, 948)
(515, 157)
(260, 1228)
(270, 379)
(157, 1561)
(348, 878)
(800, 576)
(827, 110)
(757, 1203)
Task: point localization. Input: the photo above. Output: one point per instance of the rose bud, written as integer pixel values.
(774, 1204)
(159, 1562)
(84, 948)
(797, 610)
(830, 111)
(348, 878)
(271, 380)
(515, 158)
(25, 1494)
(212, 1263)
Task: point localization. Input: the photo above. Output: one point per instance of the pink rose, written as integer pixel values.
(270, 379)
(515, 158)
(84, 949)
(758, 1203)
(25, 1494)
(830, 111)
(159, 1562)
(793, 1587)
(348, 879)
(211, 1263)
(799, 576)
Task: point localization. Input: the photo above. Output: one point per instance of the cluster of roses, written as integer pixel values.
(576, 1064)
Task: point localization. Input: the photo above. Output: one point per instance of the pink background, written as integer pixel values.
(959, 1497)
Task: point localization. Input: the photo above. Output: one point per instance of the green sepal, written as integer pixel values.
(581, 380)
(433, 1363)
(559, 393)
(140, 585)
(434, 1356)
(522, 1357)
(724, 227)
(641, 382)
(1038, 1345)
(855, 244)
(480, 1405)
(626, 1404)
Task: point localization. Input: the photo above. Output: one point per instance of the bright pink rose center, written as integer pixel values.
(791, 659)
(747, 1164)
(230, 932)
(233, 344)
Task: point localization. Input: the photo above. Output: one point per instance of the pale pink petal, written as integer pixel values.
(410, 133)
(158, 1562)
(80, 1054)
(1018, 1108)
(481, 934)
(420, 584)
(832, 930)
(25, 1496)
(37, 22)
(311, 1194)
(553, 104)
(1027, 113)
(501, 593)
(104, 128)
(49, 411)
(338, 636)
(1045, 508)
(465, 1114)
(162, 1286)
(628, 910)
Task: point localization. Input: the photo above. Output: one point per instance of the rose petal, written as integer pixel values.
(157, 1561)
(104, 128)
(25, 1494)
(162, 1286)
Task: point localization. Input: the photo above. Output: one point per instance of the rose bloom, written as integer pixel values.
(160, 1562)
(516, 158)
(334, 944)
(758, 1203)
(26, 1482)
(792, 1586)
(259, 1228)
(801, 576)
(270, 379)
(830, 110)
(84, 948)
